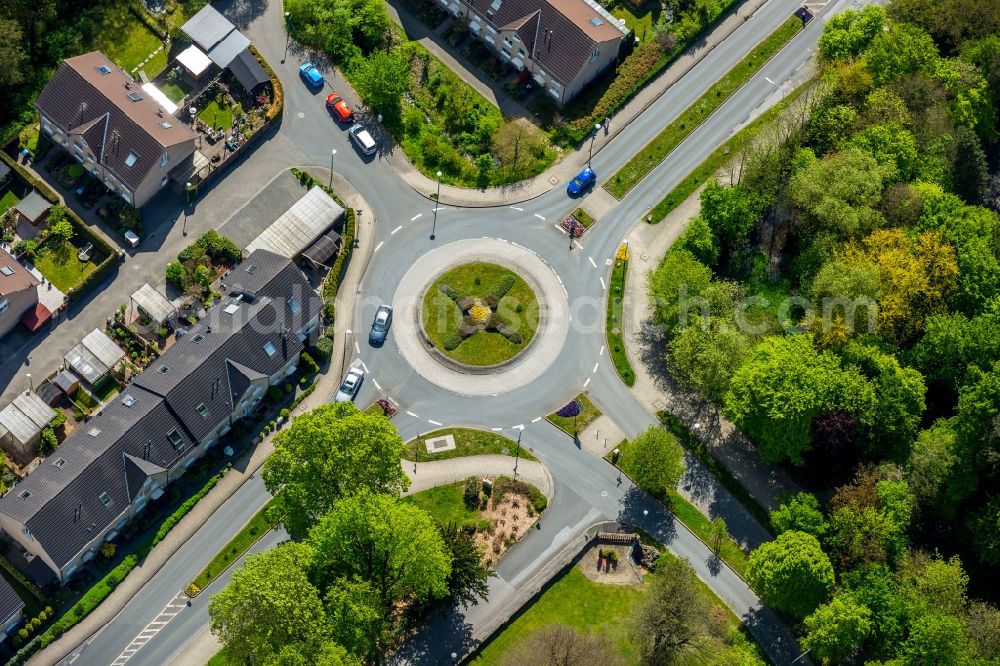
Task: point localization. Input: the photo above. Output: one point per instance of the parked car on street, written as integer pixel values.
(349, 388)
(362, 139)
(312, 76)
(583, 180)
(339, 108)
(380, 327)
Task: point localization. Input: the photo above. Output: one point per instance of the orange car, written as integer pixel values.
(339, 108)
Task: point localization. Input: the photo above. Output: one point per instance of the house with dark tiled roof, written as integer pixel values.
(11, 609)
(117, 130)
(564, 44)
(217, 373)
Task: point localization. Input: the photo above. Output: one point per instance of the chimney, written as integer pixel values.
(128, 85)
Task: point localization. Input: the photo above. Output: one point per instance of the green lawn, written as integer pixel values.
(575, 425)
(261, 522)
(216, 116)
(64, 272)
(441, 317)
(720, 157)
(468, 442)
(8, 201)
(127, 42)
(584, 218)
(639, 20)
(444, 504)
(616, 341)
(656, 150)
(175, 90)
(220, 659)
(574, 600)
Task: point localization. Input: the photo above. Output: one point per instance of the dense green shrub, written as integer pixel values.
(324, 348)
(503, 285)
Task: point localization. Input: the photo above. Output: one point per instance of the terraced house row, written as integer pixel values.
(216, 374)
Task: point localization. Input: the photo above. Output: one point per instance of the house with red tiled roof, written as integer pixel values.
(564, 44)
(118, 131)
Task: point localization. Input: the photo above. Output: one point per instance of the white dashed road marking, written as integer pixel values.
(586, 382)
(379, 246)
(769, 80)
(519, 426)
(412, 414)
(415, 217)
(591, 260)
(437, 423)
(540, 217)
(536, 420)
(497, 429)
(153, 628)
(519, 210)
(603, 286)
(364, 366)
(357, 347)
(376, 384)
(395, 230)
(596, 365)
(601, 353)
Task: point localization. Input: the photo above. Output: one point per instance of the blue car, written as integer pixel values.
(312, 76)
(583, 180)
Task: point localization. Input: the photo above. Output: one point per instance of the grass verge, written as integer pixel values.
(657, 150)
(719, 157)
(8, 201)
(573, 425)
(698, 449)
(584, 218)
(468, 442)
(613, 328)
(265, 519)
(445, 504)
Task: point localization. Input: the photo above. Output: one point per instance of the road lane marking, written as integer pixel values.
(497, 429)
(519, 210)
(357, 347)
(395, 230)
(586, 382)
(415, 217)
(161, 620)
(393, 401)
(769, 80)
(376, 384)
(519, 426)
(558, 228)
(596, 365)
(604, 287)
(437, 423)
(540, 217)
(379, 246)
(412, 414)
(364, 366)
(536, 420)
(601, 353)
(800, 66)
(591, 260)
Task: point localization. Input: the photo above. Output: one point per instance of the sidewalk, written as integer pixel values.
(657, 391)
(243, 468)
(572, 161)
(452, 470)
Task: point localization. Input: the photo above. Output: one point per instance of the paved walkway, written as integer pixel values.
(657, 391)
(442, 472)
(243, 469)
(573, 161)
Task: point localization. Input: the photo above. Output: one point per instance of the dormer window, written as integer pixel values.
(203, 410)
(175, 438)
(131, 159)
(105, 499)
(269, 349)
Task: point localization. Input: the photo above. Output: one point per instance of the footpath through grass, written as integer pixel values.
(574, 425)
(613, 327)
(720, 157)
(468, 442)
(265, 519)
(657, 150)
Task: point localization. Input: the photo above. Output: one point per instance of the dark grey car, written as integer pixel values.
(380, 327)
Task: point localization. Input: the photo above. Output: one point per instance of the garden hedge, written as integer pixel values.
(278, 103)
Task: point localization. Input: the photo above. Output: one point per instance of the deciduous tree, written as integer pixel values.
(704, 358)
(673, 617)
(655, 461)
(381, 79)
(801, 513)
(560, 645)
(792, 573)
(837, 629)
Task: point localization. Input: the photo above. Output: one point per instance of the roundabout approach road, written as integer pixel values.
(587, 489)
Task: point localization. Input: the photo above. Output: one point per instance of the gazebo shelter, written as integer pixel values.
(299, 226)
(325, 248)
(194, 61)
(21, 424)
(153, 304)
(94, 357)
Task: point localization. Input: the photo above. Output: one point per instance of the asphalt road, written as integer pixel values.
(587, 489)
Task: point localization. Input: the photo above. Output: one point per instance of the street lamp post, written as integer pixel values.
(288, 35)
(333, 151)
(517, 450)
(593, 137)
(437, 204)
(31, 382)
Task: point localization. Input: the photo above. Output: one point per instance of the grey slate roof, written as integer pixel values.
(10, 603)
(122, 445)
(214, 34)
(248, 71)
(32, 206)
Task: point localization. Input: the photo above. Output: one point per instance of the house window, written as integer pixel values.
(594, 55)
(294, 305)
(269, 349)
(4, 304)
(59, 462)
(126, 196)
(507, 42)
(198, 338)
(520, 52)
(164, 158)
(203, 410)
(105, 499)
(175, 438)
(163, 369)
(163, 181)
(131, 159)
(27, 533)
(515, 37)
(103, 69)
(25, 494)
(505, 53)
(6, 270)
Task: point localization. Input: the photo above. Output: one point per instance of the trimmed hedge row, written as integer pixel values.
(278, 103)
(137, 9)
(111, 254)
(332, 283)
(104, 587)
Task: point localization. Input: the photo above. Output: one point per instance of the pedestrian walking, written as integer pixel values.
(607, 124)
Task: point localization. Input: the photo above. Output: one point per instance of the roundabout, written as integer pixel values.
(470, 338)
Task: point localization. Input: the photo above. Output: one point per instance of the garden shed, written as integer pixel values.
(33, 208)
(299, 226)
(248, 71)
(324, 249)
(21, 424)
(94, 357)
(153, 304)
(214, 34)
(195, 62)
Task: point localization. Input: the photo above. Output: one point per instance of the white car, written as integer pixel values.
(362, 138)
(349, 388)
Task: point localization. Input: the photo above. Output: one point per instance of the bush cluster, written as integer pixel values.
(504, 485)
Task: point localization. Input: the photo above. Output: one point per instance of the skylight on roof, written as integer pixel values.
(59, 462)
(103, 69)
(6, 270)
(105, 499)
(25, 494)
(163, 369)
(94, 432)
(134, 96)
(175, 438)
(128, 400)
(294, 305)
(251, 269)
(165, 125)
(232, 308)
(203, 410)
(270, 349)
(596, 21)
(131, 159)
(496, 4)
(198, 338)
